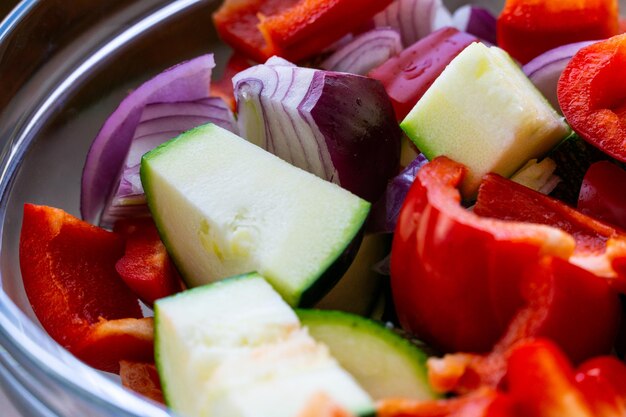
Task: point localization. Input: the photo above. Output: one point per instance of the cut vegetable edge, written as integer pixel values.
(345, 211)
(357, 342)
(233, 367)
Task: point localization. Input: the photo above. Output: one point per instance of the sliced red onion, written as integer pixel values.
(159, 123)
(187, 81)
(414, 19)
(338, 126)
(384, 215)
(477, 21)
(545, 70)
(365, 52)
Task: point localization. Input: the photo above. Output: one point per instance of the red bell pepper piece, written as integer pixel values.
(146, 266)
(237, 23)
(602, 193)
(109, 341)
(592, 95)
(142, 378)
(68, 271)
(311, 25)
(407, 76)
(527, 28)
(622, 25)
(484, 402)
(293, 29)
(603, 382)
(490, 280)
(599, 242)
(599, 247)
(542, 383)
(573, 307)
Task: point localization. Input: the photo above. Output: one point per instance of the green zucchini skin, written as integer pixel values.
(357, 343)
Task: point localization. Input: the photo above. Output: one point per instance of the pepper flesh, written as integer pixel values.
(68, 271)
(527, 28)
(487, 286)
(592, 95)
(292, 29)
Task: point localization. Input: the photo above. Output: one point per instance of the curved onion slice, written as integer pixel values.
(414, 19)
(365, 52)
(544, 70)
(476, 21)
(384, 215)
(187, 81)
(338, 126)
(159, 123)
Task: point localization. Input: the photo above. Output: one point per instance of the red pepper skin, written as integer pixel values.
(293, 29)
(309, 26)
(526, 28)
(602, 193)
(407, 76)
(142, 378)
(592, 94)
(237, 23)
(68, 271)
(541, 380)
(574, 308)
(487, 284)
(110, 341)
(603, 382)
(146, 266)
(484, 402)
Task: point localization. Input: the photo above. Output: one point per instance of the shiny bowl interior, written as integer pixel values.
(63, 69)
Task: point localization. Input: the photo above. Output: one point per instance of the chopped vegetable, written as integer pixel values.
(146, 267)
(598, 245)
(573, 158)
(365, 52)
(546, 69)
(68, 270)
(338, 126)
(528, 28)
(494, 274)
(542, 380)
(225, 206)
(484, 402)
(538, 176)
(483, 112)
(602, 193)
(292, 29)
(235, 349)
(407, 76)
(385, 212)
(476, 21)
(142, 378)
(187, 81)
(110, 341)
(159, 123)
(592, 94)
(357, 343)
(414, 19)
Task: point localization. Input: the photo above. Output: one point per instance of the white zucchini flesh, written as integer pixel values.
(224, 207)
(236, 349)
